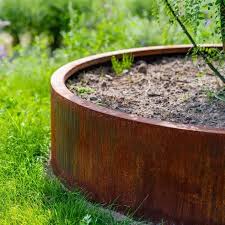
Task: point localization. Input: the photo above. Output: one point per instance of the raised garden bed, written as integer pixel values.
(166, 170)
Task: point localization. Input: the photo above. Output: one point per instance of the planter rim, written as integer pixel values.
(60, 76)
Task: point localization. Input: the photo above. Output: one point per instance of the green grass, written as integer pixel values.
(27, 194)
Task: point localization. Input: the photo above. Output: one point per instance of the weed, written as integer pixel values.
(212, 95)
(84, 90)
(120, 65)
(220, 95)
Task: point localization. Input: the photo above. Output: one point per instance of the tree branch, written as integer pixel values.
(222, 21)
(203, 55)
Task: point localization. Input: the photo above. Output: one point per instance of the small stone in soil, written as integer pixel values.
(104, 84)
(143, 68)
(93, 98)
(109, 77)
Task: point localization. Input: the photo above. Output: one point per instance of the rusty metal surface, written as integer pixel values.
(163, 169)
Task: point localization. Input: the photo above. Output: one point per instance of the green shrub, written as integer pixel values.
(108, 28)
(40, 16)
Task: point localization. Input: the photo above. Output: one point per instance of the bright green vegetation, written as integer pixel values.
(84, 90)
(120, 65)
(28, 195)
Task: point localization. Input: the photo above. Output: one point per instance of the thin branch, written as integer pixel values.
(222, 19)
(203, 55)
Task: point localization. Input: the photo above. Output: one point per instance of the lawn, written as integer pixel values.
(29, 194)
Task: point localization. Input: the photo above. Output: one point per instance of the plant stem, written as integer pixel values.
(222, 21)
(203, 55)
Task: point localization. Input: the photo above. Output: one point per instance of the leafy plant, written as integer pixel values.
(189, 14)
(84, 90)
(120, 65)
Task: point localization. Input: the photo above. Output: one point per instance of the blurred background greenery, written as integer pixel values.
(98, 25)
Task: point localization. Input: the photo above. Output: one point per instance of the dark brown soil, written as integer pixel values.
(169, 89)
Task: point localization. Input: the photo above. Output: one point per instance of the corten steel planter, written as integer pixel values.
(165, 170)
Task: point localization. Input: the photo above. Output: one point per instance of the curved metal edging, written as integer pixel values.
(62, 74)
(166, 170)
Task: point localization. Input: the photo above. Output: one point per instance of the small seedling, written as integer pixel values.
(200, 74)
(220, 95)
(124, 64)
(210, 94)
(84, 90)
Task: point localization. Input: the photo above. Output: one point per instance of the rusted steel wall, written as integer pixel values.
(164, 170)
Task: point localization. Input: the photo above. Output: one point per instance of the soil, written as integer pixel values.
(171, 89)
